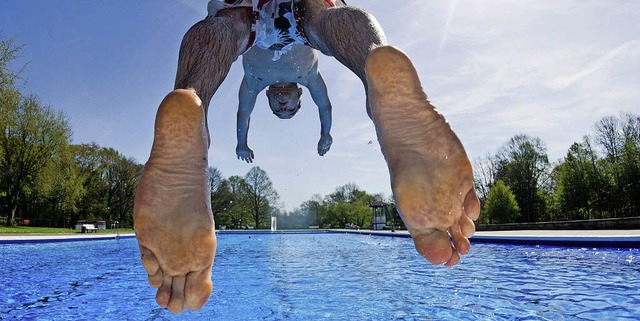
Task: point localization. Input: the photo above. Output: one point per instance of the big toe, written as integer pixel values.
(198, 288)
(435, 246)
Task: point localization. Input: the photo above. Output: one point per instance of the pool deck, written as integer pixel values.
(46, 238)
(583, 238)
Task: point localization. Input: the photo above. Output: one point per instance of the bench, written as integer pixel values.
(88, 228)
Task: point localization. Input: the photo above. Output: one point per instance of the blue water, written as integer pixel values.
(326, 277)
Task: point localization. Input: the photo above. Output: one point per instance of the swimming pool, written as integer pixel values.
(326, 277)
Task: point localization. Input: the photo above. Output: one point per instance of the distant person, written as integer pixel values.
(299, 65)
(430, 173)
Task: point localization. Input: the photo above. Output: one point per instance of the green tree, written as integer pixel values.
(523, 165)
(109, 180)
(91, 171)
(484, 171)
(619, 139)
(30, 136)
(221, 198)
(577, 182)
(9, 52)
(120, 179)
(501, 205)
(239, 210)
(60, 187)
(630, 167)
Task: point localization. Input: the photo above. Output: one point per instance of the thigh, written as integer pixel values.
(345, 32)
(209, 48)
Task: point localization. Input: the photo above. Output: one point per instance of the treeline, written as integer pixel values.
(598, 178)
(250, 202)
(348, 206)
(43, 177)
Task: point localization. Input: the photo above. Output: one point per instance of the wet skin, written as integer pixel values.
(430, 174)
(299, 65)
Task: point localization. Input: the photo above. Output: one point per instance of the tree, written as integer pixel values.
(60, 188)
(619, 139)
(215, 178)
(501, 205)
(523, 165)
(121, 176)
(30, 136)
(221, 198)
(9, 52)
(630, 167)
(577, 182)
(484, 171)
(262, 195)
(239, 209)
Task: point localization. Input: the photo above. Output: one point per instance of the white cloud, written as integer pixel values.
(629, 49)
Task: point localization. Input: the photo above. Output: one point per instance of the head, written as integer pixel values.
(284, 99)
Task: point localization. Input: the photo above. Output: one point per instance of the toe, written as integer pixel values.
(164, 292)
(466, 226)
(198, 289)
(149, 261)
(176, 303)
(472, 205)
(435, 246)
(455, 259)
(157, 279)
(460, 241)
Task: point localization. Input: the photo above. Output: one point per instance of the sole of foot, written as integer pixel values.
(431, 176)
(172, 209)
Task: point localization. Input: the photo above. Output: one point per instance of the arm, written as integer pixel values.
(247, 102)
(318, 90)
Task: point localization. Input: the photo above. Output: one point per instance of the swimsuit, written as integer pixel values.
(277, 24)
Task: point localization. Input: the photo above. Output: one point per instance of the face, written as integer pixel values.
(284, 100)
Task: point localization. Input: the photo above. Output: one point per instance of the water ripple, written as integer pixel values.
(327, 277)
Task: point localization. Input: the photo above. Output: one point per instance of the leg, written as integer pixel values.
(172, 210)
(431, 176)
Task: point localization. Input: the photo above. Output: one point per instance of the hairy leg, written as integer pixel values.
(431, 176)
(332, 32)
(172, 211)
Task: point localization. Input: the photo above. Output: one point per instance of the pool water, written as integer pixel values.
(326, 277)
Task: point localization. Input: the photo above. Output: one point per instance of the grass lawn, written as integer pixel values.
(50, 230)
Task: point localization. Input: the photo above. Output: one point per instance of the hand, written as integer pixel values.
(324, 144)
(244, 153)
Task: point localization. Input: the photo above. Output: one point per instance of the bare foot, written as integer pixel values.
(172, 211)
(431, 176)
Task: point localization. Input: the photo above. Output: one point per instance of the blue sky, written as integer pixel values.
(549, 69)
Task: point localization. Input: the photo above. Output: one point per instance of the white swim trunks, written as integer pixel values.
(276, 23)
